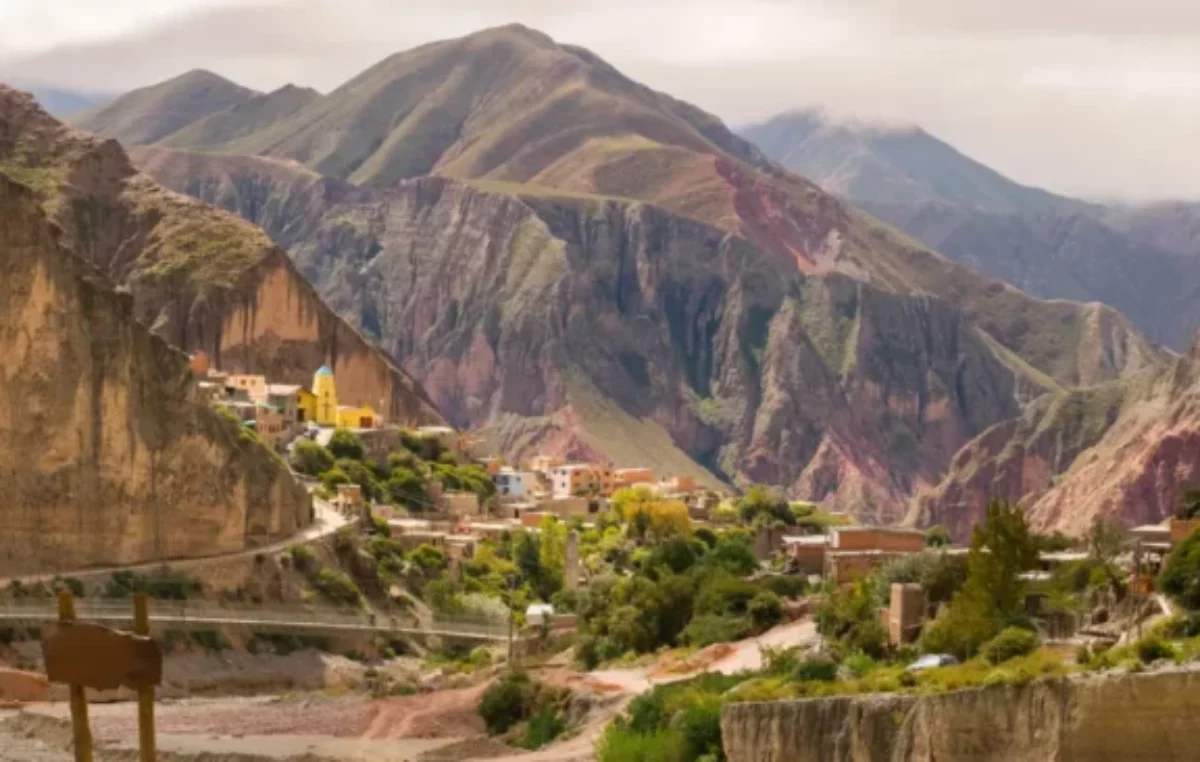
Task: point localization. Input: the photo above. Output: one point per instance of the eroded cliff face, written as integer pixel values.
(1098, 719)
(596, 328)
(201, 278)
(106, 456)
(1124, 451)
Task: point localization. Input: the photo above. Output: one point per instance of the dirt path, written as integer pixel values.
(432, 715)
(327, 521)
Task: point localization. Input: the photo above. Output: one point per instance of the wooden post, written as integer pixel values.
(146, 742)
(79, 712)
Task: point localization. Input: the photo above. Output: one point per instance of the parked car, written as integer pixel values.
(932, 661)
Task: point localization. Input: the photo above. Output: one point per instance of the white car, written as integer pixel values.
(932, 661)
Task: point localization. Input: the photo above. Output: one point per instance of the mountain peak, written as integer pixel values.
(150, 114)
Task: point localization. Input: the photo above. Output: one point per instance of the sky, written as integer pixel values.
(1097, 98)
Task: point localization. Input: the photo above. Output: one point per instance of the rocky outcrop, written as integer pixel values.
(201, 278)
(1124, 451)
(107, 455)
(1126, 717)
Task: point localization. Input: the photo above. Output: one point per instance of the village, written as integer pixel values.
(543, 487)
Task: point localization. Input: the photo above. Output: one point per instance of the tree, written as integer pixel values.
(1002, 548)
(310, 458)
(761, 503)
(1180, 579)
(358, 473)
(346, 444)
(938, 537)
(407, 488)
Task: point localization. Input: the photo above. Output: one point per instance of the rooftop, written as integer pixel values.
(324, 371)
(283, 389)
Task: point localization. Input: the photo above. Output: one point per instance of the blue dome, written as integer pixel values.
(324, 371)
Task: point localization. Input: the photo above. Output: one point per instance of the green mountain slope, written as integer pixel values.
(152, 113)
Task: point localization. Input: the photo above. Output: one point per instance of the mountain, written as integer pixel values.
(109, 455)
(570, 261)
(200, 278)
(153, 113)
(1044, 244)
(881, 164)
(243, 118)
(1173, 227)
(62, 104)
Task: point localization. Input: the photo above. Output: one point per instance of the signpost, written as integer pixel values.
(85, 656)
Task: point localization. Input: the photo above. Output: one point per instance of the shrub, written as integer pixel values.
(211, 640)
(310, 458)
(620, 745)
(163, 584)
(1009, 644)
(543, 728)
(700, 725)
(785, 585)
(765, 610)
(303, 558)
(1151, 648)
(506, 702)
(816, 668)
(938, 537)
(706, 629)
(346, 444)
(860, 665)
(1180, 579)
(337, 587)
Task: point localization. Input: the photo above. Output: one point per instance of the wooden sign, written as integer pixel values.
(90, 656)
(78, 653)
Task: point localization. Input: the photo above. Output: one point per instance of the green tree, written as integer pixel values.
(310, 458)
(763, 504)
(364, 477)
(993, 597)
(938, 537)
(1180, 578)
(407, 488)
(346, 444)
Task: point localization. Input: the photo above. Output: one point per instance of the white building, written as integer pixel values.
(515, 484)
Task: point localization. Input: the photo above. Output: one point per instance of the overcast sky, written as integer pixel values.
(1091, 97)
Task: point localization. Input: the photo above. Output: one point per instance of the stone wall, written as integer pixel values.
(1148, 716)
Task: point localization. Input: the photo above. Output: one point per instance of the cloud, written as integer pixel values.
(1094, 97)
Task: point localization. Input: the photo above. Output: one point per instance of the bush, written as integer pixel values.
(707, 629)
(765, 610)
(302, 558)
(506, 702)
(543, 728)
(618, 744)
(1151, 648)
(346, 444)
(700, 725)
(211, 640)
(337, 587)
(816, 668)
(310, 458)
(1180, 578)
(1009, 644)
(785, 585)
(938, 537)
(163, 584)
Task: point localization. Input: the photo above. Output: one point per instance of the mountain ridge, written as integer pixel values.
(574, 263)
